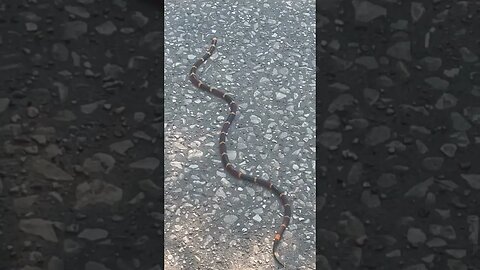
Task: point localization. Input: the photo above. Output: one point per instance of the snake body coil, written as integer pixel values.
(229, 167)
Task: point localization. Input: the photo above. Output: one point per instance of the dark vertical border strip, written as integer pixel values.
(318, 105)
(321, 155)
(162, 164)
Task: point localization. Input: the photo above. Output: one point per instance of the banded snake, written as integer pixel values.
(228, 166)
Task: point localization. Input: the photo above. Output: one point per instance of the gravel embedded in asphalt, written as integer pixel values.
(265, 58)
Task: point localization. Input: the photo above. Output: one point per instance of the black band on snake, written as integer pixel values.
(229, 167)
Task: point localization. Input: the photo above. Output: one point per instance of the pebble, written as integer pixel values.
(417, 10)
(459, 122)
(473, 180)
(416, 236)
(467, 55)
(78, 11)
(4, 103)
(93, 234)
(366, 11)
(446, 101)
(400, 50)
(107, 28)
(230, 219)
(430, 63)
(377, 135)
(437, 83)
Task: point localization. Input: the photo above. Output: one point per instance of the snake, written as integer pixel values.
(227, 165)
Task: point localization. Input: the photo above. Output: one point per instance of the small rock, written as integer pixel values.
(55, 263)
(78, 11)
(467, 55)
(371, 95)
(230, 219)
(89, 108)
(24, 205)
(62, 91)
(107, 28)
(31, 27)
(419, 190)
(99, 162)
(473, 228)
(472, 179)
(473, 114)
(96, 192)
(152, 40)
(416, 236)
(352, 227)
(280, 96)
(416, 10)
(456, 253)
(446, 101)
(148, 163)
(355, 173)
(431, 63)
(255, 119)
(460, 138)
(330, 139)
(399, 25)
(377, 135)
(449, 149)
(113, 71)
(437, 83)
(384, 81)
(50, 171)
(257, 218)
(447, 231)
(341, 102)
(400, 50)
(139, 19)
(369, 62)
(332, 122)
(121, 147)
(4, 102)
(150, 188)
(436, 243)
(32, 112)
(93, 234)
(451, 73)
(459, 123)
(65, 116)
(365, 11)
(39, 227)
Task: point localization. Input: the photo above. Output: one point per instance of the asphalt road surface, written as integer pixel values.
(81, 133)
(399, 92)
(266, 60)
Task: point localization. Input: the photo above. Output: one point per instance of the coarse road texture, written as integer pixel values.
(265, 59)
(81, 135)
(399, 111)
